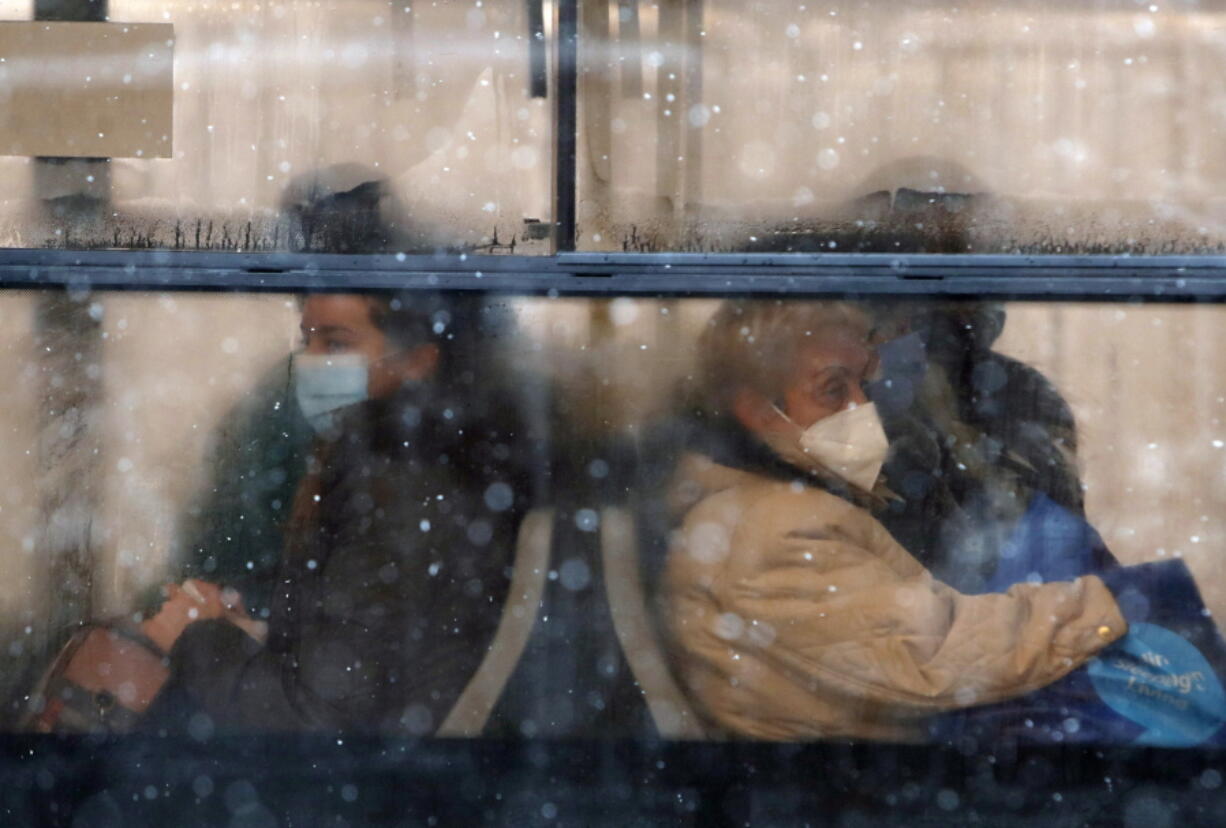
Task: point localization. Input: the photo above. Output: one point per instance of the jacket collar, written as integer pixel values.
(726, 444)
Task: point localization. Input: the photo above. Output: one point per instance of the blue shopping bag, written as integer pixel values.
(1161, 684)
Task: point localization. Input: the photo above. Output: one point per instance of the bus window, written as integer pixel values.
(216, 444)
(201, 427)
(645, 519)
(800, 467)
(900, 127)
(337, 127)
(584, 434)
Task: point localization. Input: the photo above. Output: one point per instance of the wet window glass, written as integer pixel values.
(590, 539)
(424, 513)
(900, 126)
(342, 127)
(980, 526)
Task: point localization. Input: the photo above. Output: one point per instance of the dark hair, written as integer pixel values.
(475, 336)
(463, 324)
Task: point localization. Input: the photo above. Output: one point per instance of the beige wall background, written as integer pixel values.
(19, 423)
(173, 365)
(86, 90)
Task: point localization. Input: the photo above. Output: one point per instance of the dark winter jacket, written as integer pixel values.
(981, 436)
(392, 585)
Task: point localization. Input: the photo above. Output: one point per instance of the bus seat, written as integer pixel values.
(673, 715)
(472, 710)
(573, 679)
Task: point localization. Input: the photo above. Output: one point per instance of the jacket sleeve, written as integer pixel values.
(319, 684)
(219, 670)
(369, 635)
(866, 621)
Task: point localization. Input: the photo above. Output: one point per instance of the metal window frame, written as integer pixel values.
(1066, 278)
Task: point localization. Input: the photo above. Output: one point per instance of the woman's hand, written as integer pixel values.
(193, 601)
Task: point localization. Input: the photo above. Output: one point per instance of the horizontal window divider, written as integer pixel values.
(1120, 278)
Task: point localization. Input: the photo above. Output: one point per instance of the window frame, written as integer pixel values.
(999, 276)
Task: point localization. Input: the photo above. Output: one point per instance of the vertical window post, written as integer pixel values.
(538, 85)
(565, 122)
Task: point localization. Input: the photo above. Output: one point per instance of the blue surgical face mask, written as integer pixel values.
(903, 361)
(325, 382)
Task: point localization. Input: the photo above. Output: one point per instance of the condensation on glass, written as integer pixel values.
(365, 126)
(902, 126)
(93, 524)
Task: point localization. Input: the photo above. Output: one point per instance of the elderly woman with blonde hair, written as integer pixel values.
(793, 614)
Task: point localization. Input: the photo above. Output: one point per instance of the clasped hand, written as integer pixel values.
(198, 601)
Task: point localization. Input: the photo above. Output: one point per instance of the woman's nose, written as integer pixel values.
(858, 396)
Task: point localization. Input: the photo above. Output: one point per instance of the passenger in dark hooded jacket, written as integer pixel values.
(398, 554)
(975, 437)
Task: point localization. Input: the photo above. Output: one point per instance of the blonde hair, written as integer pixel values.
(753, 343)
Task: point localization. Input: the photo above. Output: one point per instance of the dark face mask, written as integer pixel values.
(903, 362)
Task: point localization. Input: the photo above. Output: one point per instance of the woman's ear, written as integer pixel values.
(754, 411)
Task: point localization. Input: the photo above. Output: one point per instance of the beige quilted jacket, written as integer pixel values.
(793, 614)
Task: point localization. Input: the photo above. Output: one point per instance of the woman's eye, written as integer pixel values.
(834, 392)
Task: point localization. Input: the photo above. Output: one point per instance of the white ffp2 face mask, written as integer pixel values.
(851, 443)
(325, 382)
